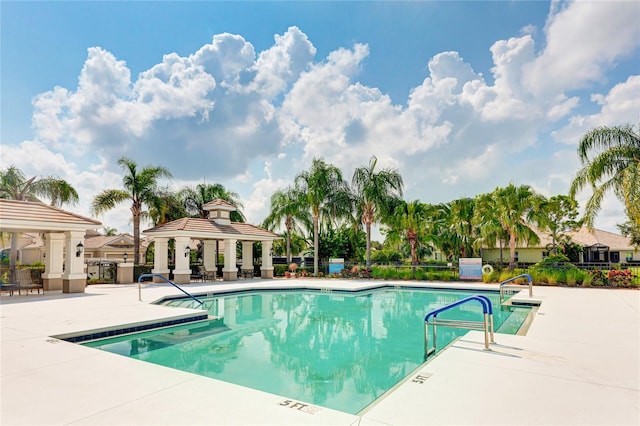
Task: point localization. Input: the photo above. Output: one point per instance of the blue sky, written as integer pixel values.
(461, 97)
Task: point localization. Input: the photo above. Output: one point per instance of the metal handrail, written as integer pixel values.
(503, 283)
(166, 280)
(486, 325)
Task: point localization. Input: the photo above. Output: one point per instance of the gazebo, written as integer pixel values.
(63, 234)
(216, 227)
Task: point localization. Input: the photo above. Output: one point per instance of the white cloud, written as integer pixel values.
(584, 39)
(618, 107)
(253, 120)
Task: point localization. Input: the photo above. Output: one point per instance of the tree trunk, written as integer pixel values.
(316, 219)
(368, 229)
(512, 251)
(288, 245)
(136, 238)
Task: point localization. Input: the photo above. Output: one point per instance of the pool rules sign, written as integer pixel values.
(470, 268)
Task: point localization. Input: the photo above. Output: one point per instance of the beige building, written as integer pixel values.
(598, 246)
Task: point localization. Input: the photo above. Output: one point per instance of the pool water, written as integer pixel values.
(338, 350)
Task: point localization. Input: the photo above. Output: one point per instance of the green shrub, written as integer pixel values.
(279, 270)
(575, 277)
(556, 261)
(598, 278)
(557, 276)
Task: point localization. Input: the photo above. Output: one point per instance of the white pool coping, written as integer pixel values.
(578, 364)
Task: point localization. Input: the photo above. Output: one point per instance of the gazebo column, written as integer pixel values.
(182, 272)
(74, 278)
(247, 258)
(53, 260)
(230, 271)
(266, 271)
(160, 258)
(209, 256)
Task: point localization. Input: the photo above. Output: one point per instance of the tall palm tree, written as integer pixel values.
(610, 157)
(194, 199)
(15, 186)
(408, 221)
(288, 206)
(327, 196)
(140, 187)
(515, 208)
(487, 223)
(455, 228)
(373, 191)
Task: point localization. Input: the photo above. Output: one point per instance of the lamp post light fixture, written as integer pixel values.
(124, 256)
(187, 251)
(79, 249)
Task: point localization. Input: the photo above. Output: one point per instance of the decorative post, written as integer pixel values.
(266, 271)
(53, 261)
(160, 258)
(74, 278)
(230, 271)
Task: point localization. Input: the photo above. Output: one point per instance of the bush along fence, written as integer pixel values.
(547, 273)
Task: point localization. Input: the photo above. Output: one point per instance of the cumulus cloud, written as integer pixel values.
(618, 107)
(584, 39)
(233, 115)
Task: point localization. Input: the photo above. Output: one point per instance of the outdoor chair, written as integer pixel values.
(25, 282)
(7, 287)
(207, 275)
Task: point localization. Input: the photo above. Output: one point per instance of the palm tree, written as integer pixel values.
(515, 207)
(194, 199)
(164, 207)
(140, 187)
(15, 186)
(373, 191)
(454, 227)
(488, 225)
(288, 206)
(408, 222)
(327, 196)
(610, 157)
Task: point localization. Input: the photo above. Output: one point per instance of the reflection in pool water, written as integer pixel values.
(337, 350)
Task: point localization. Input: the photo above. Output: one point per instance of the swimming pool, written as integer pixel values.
(339, 350)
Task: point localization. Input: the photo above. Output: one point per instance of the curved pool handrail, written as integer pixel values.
(486, 325)
(168, 281)
(529, 280)
(484, 301)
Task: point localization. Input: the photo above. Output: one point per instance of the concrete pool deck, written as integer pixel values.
(578, 364)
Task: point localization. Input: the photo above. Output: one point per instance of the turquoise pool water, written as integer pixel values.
(338, 350)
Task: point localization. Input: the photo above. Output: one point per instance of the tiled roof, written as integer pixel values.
(200, 226)
(586, 238)
(218, 202)
(13, 211)
(108, 240)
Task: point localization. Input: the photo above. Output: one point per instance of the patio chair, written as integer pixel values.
(207, 275)
(7, 287)
(25, 282)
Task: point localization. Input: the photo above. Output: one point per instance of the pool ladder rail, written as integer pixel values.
(505, 285)
(486, 325)
(200, 302)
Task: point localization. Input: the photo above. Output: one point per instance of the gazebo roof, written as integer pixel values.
(209, 229)
(24, 216)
